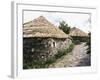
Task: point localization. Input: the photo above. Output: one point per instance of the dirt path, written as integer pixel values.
(77, 57)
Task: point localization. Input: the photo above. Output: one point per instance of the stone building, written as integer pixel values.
(77, 32)
(78, 35)
(41, 39)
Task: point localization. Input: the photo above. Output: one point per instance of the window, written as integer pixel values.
(32, 49)
(54, 44)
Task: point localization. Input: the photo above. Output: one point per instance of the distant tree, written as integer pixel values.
(64, 27)
(89, 43)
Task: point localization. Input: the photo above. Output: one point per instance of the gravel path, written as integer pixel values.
(77, 57)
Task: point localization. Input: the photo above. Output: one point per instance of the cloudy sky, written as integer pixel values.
(79, 20)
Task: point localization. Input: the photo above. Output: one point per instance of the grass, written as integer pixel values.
(44, 64)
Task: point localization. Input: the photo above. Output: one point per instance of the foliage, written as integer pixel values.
(89, 44)
(70, 48)
(64, 27)
(50, 61)
(78, 39)
(63, 52)
(60, 53)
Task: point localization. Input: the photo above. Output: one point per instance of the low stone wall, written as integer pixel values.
(42, 48)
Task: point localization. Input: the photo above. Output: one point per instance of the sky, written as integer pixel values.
(79, 20)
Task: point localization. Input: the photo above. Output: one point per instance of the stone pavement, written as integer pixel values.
(77, 57)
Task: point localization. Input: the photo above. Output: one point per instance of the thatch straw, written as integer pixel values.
(77, 32)
(40, 27)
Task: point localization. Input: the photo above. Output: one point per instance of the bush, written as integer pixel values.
(70, 48)
(78, 39)
(60, 53)
(89, 44)
(76, 42)
(50, 61)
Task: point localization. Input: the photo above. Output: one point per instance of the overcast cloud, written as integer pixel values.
(81, 21)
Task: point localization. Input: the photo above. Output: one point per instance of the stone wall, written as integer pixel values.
(42, 48)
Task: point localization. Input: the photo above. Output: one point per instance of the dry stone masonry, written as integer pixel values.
(42, 40)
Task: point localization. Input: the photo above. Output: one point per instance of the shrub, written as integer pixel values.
(89, 44)
(70, 48)
(60, 53)
(50, 61)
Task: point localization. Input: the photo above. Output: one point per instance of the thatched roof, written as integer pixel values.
(41, 27)
(77, 32)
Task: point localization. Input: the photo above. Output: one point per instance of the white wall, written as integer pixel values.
(5, 38)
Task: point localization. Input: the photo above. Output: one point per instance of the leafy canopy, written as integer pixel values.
(64, 27)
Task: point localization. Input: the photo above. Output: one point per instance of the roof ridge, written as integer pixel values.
(33, 29)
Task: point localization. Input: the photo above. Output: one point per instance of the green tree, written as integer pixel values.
(64, 27)
(89, 44)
